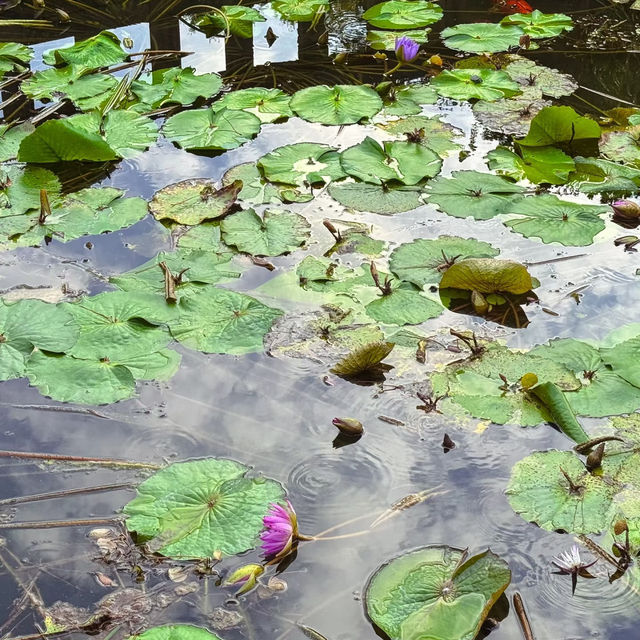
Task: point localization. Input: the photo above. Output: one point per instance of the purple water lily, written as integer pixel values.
(406, 49)
(281, 526)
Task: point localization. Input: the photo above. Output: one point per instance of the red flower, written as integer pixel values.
(511, 6)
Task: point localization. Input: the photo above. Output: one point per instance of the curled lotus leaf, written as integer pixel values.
(363, 358)
(481, 37)
(195, 509)
(537, 164)
(487, 275)
(435, 588)
(337, 105)
(192, 201)
(478, 84)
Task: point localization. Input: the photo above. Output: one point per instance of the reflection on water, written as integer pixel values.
(275, 414)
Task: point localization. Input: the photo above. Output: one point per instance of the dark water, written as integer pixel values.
(276, 414)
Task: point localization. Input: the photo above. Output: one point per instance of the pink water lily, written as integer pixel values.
(281, 530)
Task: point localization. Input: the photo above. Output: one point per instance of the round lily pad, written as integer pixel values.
(299, 10)
(482, 37)
(480, 84)
(508, 115)
(384, 199)
(176, 632)
(437, 590)
(273, 234)
(257, 190)
(487, 275)
(431, 132)
(402, 307)
(472, 193)
(403, 14)
(550, 82)
(540, 25)
(266, 104)
(195, 509)
(175, 85)
(622, 146)
(101, 50)
(20, 189)
(340, 104)
(424, 261)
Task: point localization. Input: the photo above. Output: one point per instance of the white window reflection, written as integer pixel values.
(209, 52)
(284, 48)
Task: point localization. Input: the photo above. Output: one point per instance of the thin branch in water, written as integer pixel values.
(521, 612)
(57, 524)
(52, 495)
(99, 462)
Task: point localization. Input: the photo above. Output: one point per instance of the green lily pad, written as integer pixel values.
(386, 40)
(594, 175)
(268, 105)
(220, 321)
(211, 129)
(86, 212)
(622, 146)
(27, 324)
(603, 391)
(236, 19)
(176, 632)
(195, 509)
(257, 190)
(540, 493)
(301, 163)
(487, 275)
(472, 193)
(537, 164)
(550, 82)
(423, 262)
(508, 115)
(540, 25)
(384, 199)
(175, 86)
(408, 100)
(277, 232)
(340, 104)
(623, 359)
(20, 189)
(554, 220)
(435, 590)
(479, 84)
(556, 125)
(404, 306)
(11, 137)
(481, 37)
(118, 325)
(14, 57)
(403, 14)
(356, 238)
(431, 132)
(192, 201)
(101, 50)
(300, 10)
(407, 162)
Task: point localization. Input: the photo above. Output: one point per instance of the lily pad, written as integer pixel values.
(198, 508)
(554, 220)
(481, 37)
(257, 190)
(487, 275)
(403, 14)
(408, 100)
(423, 262)
(192, 201)
(540, 25)
(556, 125)
(211, 129)
(407, 162)
(237, 19)
(537, 164)
(479, 84)
(384, 199)
(362, 359)
(301, 163)
(386, 40)
(340, 104)
(435, 590)
(622, 146)
(14, 56)
(176, 632)
(550, 82)
(404, 306)
(472, 193)
(11, 137)
(101, 50)
(277, 232)
(268, 105)
(175, 86)
(623, 359)
(594, 175)
(220, 321)
(300, 10)
(20, 189)
(27, 324)
(509, 115)
(431, 132)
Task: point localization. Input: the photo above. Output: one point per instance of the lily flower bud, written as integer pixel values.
(626, 209)
(245, 576)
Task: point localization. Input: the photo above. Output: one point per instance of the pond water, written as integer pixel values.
(274, 413)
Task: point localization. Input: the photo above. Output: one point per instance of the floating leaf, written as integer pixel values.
(402, 307)
(268, 105)
(300, 10)
(257, 190)
(220, 321)
(32, 323)
(407, 162)
(20, 189)
(555, 125)
(340, 104)
(623, 359)
(356, 238)
(594, 175)
(480, 84)
(192, 201)
(472, 193)
(424, 261)
(210, 129)
(540, 25)
(11, 137)
(554, 220)
(385, 199)
(622, 146)
(175, 86)
(301, 163)
(408, 100)
(362, 359)
(432, 132)
(277, 232)
(195, 509)
(176, 632)
(102, 50)
(481, 37)
(536, 164)
(435, 590)
(487, 275)
(509, 115)
(550, 82)
(403, 14)
(14, 56)
(237, 19)
(386, 40)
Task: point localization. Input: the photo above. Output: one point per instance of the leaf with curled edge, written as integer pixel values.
(362, 359)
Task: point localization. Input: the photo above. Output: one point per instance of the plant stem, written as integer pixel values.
(51, 495)
(57, 524)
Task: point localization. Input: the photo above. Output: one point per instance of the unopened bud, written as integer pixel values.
(245, 576)
(349, 426)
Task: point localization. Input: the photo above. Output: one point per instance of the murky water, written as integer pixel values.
(276, 414)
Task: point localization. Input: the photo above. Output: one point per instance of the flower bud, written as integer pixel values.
(349, 426)
(626, 209)
(246, 576)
